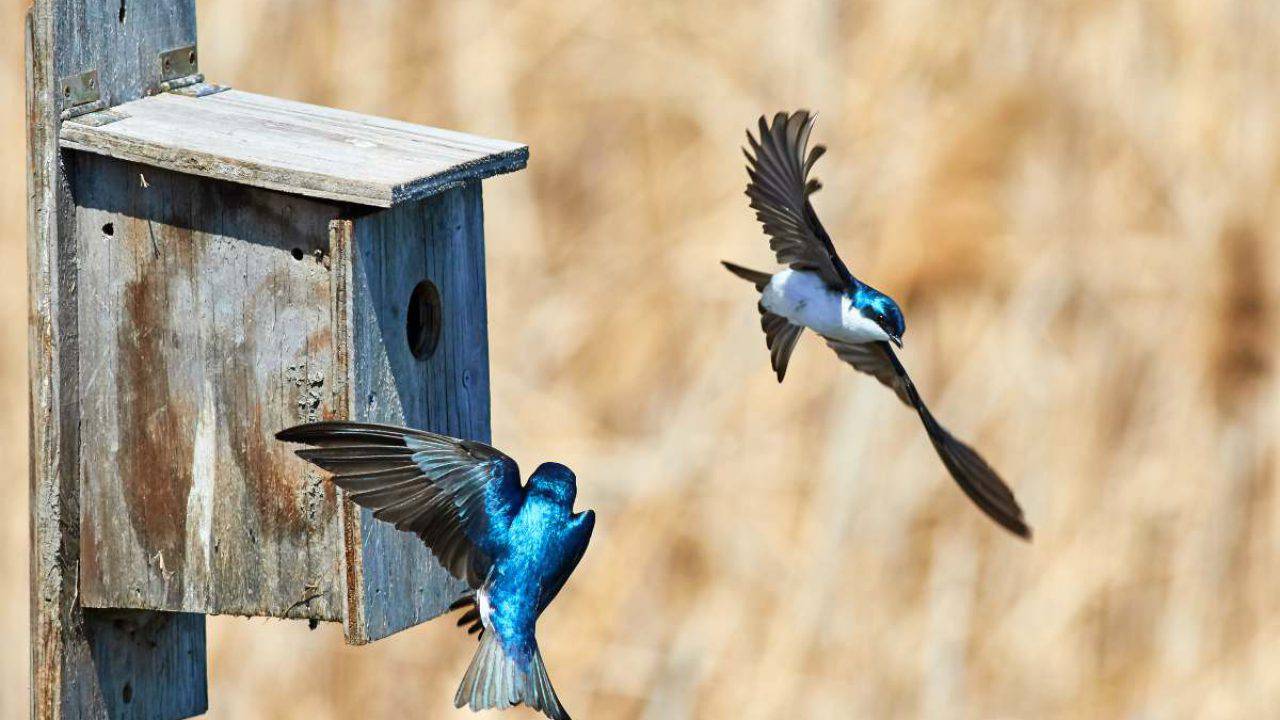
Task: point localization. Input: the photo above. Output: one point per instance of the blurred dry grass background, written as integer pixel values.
(1076, 203)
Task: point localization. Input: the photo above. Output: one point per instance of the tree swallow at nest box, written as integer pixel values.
(818, 292)
(514, 545)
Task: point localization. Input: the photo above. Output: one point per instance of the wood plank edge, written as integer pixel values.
(48, 679)
(502, 163)
(87, 138)
(341, 239)
(90, 602)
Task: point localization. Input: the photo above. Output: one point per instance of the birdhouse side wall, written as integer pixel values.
(394, 582)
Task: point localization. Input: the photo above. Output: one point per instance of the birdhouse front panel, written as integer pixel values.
(206, 325)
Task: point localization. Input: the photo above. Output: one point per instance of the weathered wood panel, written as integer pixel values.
(293, 147)
(206, 326)
(76, 654)
(124, 646)
(394, 581)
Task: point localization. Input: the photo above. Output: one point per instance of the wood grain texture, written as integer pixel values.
(441, 239)
(76, 656)
(205, 323)
(124, 646)
(294, 147)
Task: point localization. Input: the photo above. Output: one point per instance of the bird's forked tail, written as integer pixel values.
(495, 680)
(780, 334)
(755, 277)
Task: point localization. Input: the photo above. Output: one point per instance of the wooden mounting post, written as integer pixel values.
(86, 663)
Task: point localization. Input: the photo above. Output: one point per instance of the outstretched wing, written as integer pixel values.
(459, 496)
(779, 189)
(976, 478)
(576, 537)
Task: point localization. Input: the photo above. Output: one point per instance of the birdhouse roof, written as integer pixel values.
(291, 146)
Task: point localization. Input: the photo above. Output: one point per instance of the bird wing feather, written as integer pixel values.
(458, 496)
(576, 538)
(778, 165)
(974, 476)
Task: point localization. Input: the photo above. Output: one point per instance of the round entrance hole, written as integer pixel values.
(422, 322)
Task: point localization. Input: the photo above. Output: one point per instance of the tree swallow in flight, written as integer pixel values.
(818, 292)
(514, 545)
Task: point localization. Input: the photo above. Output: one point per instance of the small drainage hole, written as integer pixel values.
(109, 229)
(422, 321)
(298, 254)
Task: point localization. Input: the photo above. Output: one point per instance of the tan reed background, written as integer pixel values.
(1077, 205)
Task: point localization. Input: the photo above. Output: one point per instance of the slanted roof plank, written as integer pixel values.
(292, 147)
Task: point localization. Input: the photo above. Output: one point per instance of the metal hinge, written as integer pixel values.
(80, 94)
(179, 68)
(99, 118)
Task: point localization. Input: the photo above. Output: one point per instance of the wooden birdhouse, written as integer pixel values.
(209, 267)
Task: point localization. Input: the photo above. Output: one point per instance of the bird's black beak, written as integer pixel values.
(897, 340)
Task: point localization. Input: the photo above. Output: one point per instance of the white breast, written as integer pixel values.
(803, 298)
